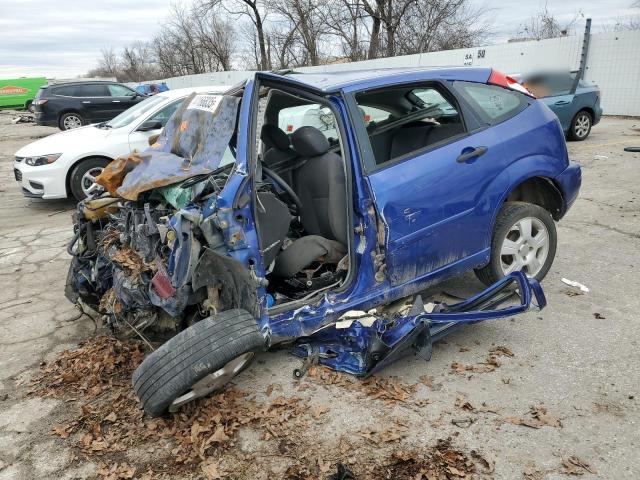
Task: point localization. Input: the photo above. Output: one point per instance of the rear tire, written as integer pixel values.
(71, 120)
(30, 107)
(512, 248)
(83, 172)
(580, 126)
(205, 349)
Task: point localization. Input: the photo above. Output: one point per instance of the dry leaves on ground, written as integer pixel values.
(111, 421)
(463, 403)
(489, 365)
(539, 417)
(107, 425)
(439, 462)
(387, 389)
(531, 472)
(576, 466)
(96, 366)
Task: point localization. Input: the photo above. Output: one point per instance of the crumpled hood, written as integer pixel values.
(87, 137)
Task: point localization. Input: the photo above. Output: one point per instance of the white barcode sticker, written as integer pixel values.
(208, 103)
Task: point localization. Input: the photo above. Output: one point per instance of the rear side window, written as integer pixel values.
(95, 90)
(405, 121)
(120, 91)
(66, 91)
(494, 104)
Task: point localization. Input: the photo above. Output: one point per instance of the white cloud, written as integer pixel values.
(64, 39)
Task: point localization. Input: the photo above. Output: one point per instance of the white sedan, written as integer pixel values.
(66, 163)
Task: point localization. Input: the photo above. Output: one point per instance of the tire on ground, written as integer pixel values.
(205, 347)
(69, 114)
(509, 214)
(572, 130)
(82, 167)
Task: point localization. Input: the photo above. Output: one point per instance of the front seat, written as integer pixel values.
(321, 185)
(278, 151)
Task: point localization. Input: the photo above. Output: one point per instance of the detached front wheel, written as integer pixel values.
(198, 361)
(524, 239)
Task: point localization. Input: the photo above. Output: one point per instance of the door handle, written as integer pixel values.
(562, 102)
(115, 101)
(86, 101)
(476, 152)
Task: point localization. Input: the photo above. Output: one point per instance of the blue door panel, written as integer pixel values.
(435, 209)
(534, 133)
(564, 108)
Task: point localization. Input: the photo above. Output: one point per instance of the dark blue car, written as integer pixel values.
(577, 110)
(231, 235)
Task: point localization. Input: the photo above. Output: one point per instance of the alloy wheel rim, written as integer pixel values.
(213, 381)
(582, 125)
(525, 247)
(89, 179)
(71, 122)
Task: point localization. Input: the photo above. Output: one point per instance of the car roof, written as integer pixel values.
(81, 82)
(183, 92)
(353, 79)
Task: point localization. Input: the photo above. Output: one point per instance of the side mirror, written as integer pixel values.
(150, 125)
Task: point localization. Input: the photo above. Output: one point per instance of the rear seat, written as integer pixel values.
(408, 138)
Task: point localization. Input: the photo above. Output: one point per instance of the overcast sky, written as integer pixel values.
(64, 38)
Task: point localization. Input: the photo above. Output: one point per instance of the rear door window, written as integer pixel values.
(494, 104)
(120, 91)
(96, 90)
(407, 120)
(66, 91)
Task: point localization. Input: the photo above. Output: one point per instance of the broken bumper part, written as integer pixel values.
(362, 348)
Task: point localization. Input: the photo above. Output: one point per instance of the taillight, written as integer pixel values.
(502, 80)
(41, 102)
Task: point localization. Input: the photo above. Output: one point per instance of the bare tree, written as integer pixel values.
(256, 12)
(205, 36)
(304, 26)
(432, 25)
(631, 22)
(345, 20)
(194, 41)
(389, 15)
(137, 63)
(545, 25)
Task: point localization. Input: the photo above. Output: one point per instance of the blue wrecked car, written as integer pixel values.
(248, 224)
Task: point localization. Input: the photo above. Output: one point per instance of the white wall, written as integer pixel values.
(613, 63)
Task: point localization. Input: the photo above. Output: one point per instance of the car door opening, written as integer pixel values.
(301, 206)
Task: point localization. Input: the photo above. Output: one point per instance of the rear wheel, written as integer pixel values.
(70, 120)
(199, 360)
(580, 126)
(84, 175)
(524, 239)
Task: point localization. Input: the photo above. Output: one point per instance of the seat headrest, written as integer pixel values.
(273, 137)
(309, 142)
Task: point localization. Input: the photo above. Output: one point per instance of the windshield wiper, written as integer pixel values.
(103, 125)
